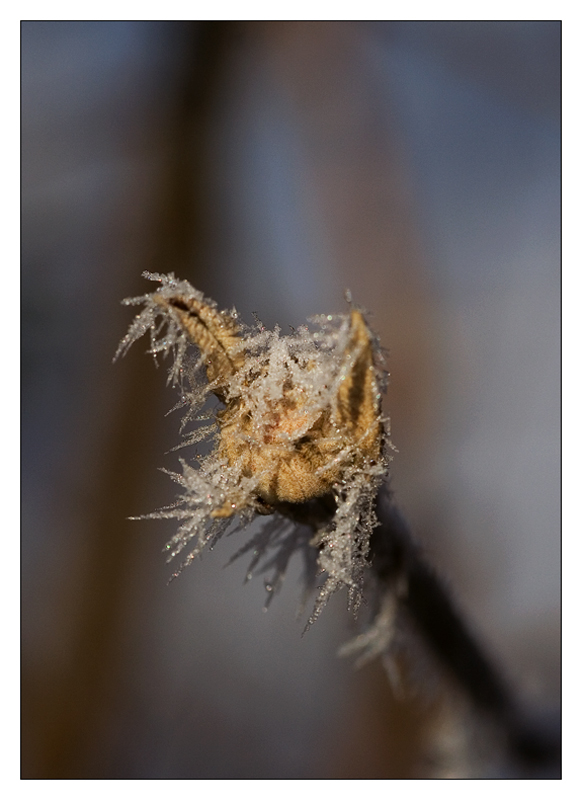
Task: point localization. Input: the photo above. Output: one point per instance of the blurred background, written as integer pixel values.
(274, 165)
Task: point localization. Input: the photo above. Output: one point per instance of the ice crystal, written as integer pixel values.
(299, 435)
(378, 637)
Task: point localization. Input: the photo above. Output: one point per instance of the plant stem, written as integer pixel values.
(533, 747)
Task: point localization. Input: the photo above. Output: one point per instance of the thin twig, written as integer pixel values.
(535, 748)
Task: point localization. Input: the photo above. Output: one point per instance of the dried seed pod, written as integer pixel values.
(301, 420)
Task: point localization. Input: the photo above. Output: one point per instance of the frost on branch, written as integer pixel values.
(299, 435)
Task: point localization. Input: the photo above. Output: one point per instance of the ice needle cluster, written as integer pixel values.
(298, 433)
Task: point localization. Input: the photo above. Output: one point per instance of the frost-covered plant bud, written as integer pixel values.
(301, 420)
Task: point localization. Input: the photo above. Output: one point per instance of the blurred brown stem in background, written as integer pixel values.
(60, 712)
